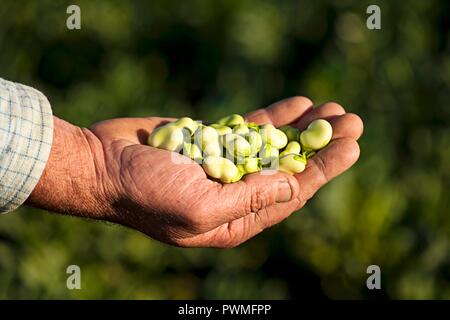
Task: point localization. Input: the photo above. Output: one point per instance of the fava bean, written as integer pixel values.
(168, 137)
(268, 154)
(241, 129)
(255, 140)
(292, 147)
(213, 148)
(250, 165)
(188, 123)
(222, 169)
(231, 120)
(237, 145)
(292, 163)
(273, 136)
(317, 135)
(293, 134)
(253, 126)
(221, 129)
(205, 135)
(192, 151)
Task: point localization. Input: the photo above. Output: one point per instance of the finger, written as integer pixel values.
(240, 230)
(134, 130)
(348, 125)
(281, 113)
(326, 111)
(328, 163)
(252, 194)
(235, 232)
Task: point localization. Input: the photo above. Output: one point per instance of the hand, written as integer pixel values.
(112, 175)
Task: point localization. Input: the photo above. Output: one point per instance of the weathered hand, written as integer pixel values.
(141, 187)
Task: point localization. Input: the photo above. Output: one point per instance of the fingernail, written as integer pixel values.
(284, 192)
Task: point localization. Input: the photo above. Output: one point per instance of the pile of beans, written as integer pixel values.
(232, 147)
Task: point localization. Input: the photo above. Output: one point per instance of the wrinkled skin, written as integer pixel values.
(139, 186)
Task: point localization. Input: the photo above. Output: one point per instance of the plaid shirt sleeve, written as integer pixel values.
(26, 134)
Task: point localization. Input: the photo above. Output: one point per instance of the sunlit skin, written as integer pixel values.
(108, 173)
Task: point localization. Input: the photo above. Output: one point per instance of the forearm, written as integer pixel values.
(70, 181)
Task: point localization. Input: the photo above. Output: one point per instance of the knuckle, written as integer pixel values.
(258, 199)
(322, 168)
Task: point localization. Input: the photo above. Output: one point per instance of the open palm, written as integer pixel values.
(176, 203)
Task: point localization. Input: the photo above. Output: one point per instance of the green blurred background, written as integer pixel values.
(206, 59)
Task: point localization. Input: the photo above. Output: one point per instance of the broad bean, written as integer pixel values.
(221, 129)
(188, 123)
(231, 120)
(273, 136)
(292, 147)
(293, 134)
(250, 165)
(292, 163)
(222, 169)
(317, 135)
(169, 137)
(237, 145)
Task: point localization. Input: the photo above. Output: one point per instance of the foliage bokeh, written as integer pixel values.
(206, 59)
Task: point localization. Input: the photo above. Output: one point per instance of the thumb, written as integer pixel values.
(254, 193)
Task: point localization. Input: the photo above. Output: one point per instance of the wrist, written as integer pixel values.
(71, 181)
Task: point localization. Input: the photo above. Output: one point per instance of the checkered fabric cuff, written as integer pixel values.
(26, 135)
